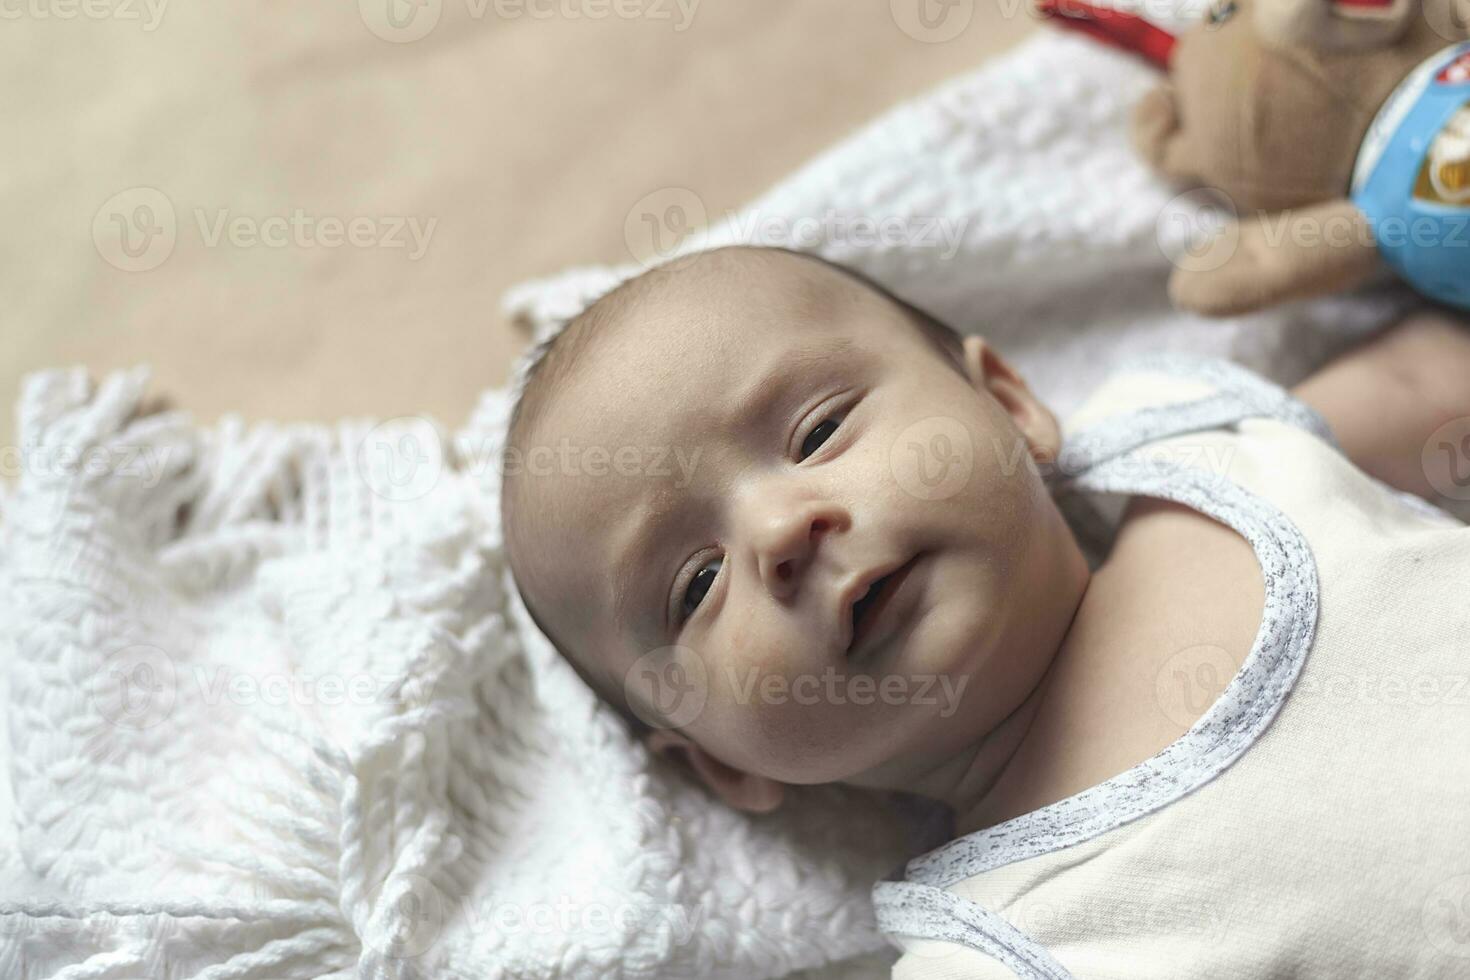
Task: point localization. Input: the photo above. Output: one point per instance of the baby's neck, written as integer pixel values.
(967, 779)
(973, 793)
(1176, 588)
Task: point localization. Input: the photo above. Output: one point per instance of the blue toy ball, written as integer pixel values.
(1412, 178)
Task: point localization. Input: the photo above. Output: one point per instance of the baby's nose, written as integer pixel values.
(786, 538)
(788, 552)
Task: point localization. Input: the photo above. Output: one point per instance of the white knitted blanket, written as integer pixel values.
(273, 709)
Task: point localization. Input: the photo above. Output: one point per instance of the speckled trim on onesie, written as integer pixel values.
(933, 913)
(1225, 731)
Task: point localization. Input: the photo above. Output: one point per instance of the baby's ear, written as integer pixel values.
(989, 372)
(741, 790)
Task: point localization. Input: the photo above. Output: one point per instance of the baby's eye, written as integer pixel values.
(1221, 11)
(699, 585)
(817, 436)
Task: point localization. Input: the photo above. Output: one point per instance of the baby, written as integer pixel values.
(861, 572)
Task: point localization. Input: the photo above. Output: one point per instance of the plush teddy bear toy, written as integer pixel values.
(1339, 130)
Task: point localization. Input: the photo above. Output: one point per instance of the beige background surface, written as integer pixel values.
(525, 139)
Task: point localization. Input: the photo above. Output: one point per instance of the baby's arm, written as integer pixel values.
(1385, 399)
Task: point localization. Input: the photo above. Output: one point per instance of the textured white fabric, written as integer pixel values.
(239, 836)
(1335, 845)
(461, 805)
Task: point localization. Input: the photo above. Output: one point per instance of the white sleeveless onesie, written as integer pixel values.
(1315, 821)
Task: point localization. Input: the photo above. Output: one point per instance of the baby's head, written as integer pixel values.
(710, 466)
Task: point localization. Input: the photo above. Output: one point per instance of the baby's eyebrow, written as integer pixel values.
(774, 383)
(755, 400)
(639, 542)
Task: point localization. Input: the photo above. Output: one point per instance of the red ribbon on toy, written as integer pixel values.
(1127, 31)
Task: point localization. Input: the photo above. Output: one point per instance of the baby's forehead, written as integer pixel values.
(671, 348)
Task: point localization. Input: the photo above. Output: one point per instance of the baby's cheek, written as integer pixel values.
(932, 459)
(762, 642)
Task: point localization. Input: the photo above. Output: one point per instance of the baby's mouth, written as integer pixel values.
(861, 608)
(867, 612)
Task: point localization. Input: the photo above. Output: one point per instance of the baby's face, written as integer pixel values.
(758, 443)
